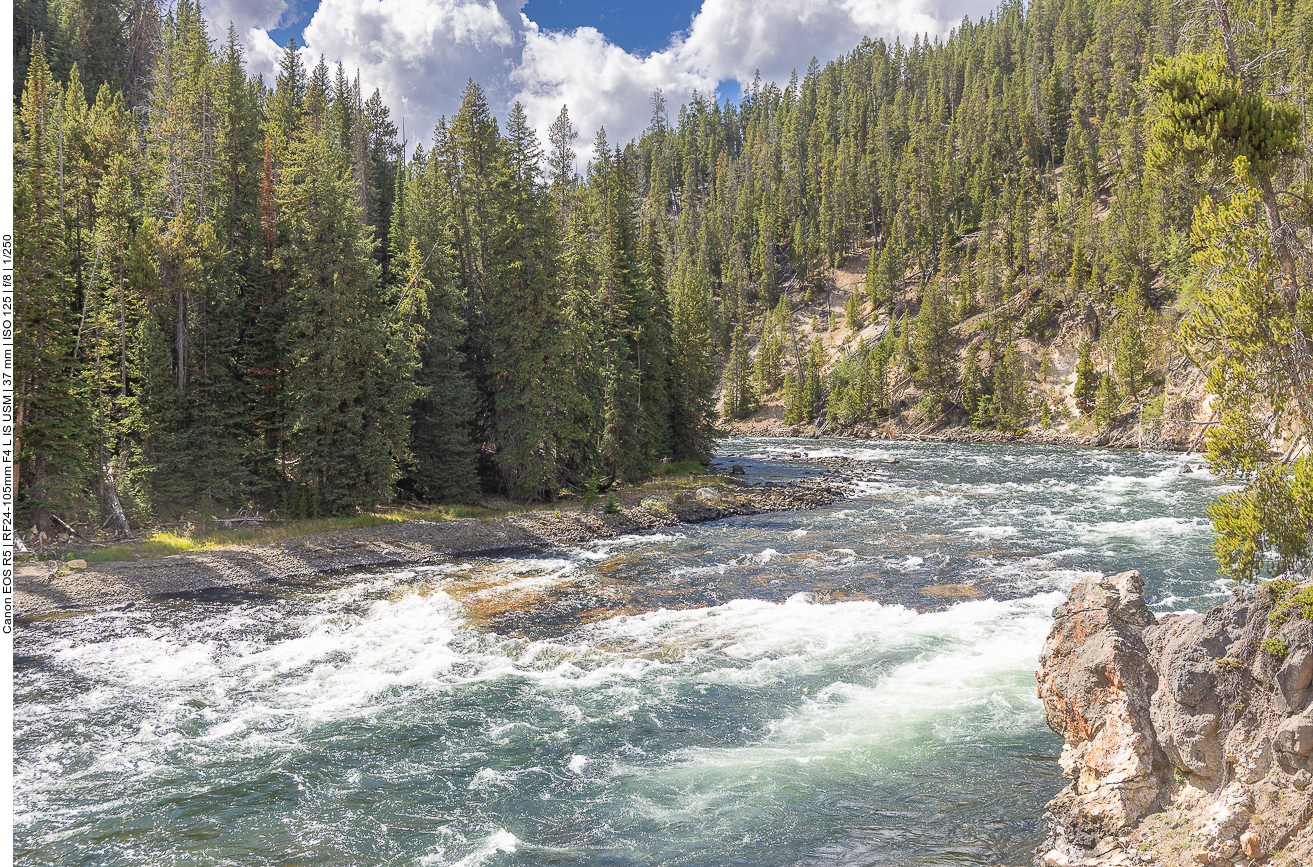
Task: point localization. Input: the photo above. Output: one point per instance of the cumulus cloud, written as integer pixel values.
(252, 19)
(245, 14)
(420, 53)
(735, 38)
(727, 40)
(602, 84)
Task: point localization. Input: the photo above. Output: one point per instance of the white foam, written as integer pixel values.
(1142, 530)
(974, 668)
(990, 532)
(499, 841)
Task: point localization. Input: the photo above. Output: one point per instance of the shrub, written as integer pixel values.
(1275, 646)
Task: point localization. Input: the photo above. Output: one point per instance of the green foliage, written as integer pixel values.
(52, 421)
(740, 396)
(275, 303)
(857, 384)
(677, 468)
(1011, 402)
(1240, 324)
(975, 390)
(612, 505)
(1131, 354)
(1264, 528)
(804, 389)
(1275, 646)
(1287, 600)
(934, 347)
(1206, 114)
(1107, 403)
(852, 312)
(349, 373)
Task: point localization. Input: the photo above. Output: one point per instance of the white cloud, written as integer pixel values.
(735, 38)
(727, 40)
(420, 53)
(603, 85)
(244, 14)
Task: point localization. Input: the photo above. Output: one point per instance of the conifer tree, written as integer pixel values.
(934, 346)
(1011, 404)
(740, 400)
(349, 378)
(1087, 378)
(50, 422)
(1108, 401)
(1131, 355)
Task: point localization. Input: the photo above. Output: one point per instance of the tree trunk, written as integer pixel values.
(180, 333)
(123, 337)
(112, 497)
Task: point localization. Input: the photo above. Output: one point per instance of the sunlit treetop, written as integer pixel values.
(1206, 116)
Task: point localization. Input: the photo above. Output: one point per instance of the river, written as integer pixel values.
(852, 685)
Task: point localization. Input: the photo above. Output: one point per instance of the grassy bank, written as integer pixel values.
(208, 533)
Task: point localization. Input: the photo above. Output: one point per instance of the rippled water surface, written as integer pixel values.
(852, 685)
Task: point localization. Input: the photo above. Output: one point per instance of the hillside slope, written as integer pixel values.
(1172, 413)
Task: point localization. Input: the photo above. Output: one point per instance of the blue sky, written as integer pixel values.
(601, 58)
(635, 27)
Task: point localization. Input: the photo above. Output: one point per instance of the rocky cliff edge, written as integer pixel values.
(1188, 738)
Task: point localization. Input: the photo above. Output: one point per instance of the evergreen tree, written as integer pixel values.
(1087, 378)
(349, 378)
(50, 421)
(1131, 355)
(740, 400)
(1011, 404)
(934, 346)
(1108, 401)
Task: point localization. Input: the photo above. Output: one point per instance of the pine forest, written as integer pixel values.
(235, 292)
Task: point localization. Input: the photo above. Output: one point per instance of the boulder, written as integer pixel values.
(1294, 737)
(1096, 681)
(736, 470)
(707, 495)
(1252, 844)
(1228, 740)
(1294, 678)
(1187, 708)
(76, 564)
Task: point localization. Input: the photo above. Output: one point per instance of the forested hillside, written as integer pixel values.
(243, 292)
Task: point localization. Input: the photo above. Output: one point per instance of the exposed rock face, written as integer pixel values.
(1188, 740)
(1095, 679)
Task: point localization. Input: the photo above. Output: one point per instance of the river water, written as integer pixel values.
(852, 685)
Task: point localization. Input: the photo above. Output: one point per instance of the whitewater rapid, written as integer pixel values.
(852, 684)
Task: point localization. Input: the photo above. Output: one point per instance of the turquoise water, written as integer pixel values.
(852, 685)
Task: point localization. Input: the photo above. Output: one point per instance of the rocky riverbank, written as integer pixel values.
(1188, 738)
(44, 588)
(1128, 437)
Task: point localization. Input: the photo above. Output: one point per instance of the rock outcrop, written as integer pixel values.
(1188, 739)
